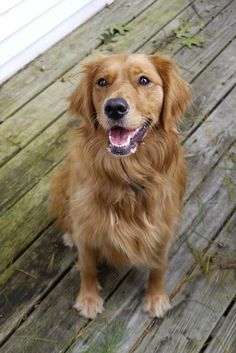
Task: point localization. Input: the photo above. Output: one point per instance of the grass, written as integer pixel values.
(109, 342)
(100, 337)
(202, 260)
(29, 274)
(34, 338)
(211, 263)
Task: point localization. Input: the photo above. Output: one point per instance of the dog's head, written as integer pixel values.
(127, 95)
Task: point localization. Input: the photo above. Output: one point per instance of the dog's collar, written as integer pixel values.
(136, 187)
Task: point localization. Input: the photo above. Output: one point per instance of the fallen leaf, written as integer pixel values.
(193, 41)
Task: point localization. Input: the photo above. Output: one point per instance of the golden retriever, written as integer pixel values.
(120, 194)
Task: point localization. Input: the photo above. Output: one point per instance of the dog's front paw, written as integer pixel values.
(89, 305)
(156, 304)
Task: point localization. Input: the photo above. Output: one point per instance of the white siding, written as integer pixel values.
(29, 27)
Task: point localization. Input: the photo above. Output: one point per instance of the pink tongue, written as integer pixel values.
(120, 136)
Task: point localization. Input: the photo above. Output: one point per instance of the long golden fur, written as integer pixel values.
(124, 209)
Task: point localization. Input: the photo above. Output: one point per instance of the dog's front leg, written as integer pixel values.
(88, 303)
(156, 301)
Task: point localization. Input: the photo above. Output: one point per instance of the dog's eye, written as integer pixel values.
(143, 80)
(102, 82)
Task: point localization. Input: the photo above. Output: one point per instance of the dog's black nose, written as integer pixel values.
(116, 108)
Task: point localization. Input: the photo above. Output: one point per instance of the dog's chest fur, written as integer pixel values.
(125, 225)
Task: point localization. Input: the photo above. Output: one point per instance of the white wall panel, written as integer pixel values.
(7, 5)
(29, 27)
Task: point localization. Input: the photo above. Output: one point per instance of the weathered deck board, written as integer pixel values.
(207, 144)
(22, 172)
(49, 145)
(35, 117)
(196, 17)
(62, 327)
(22, 223)
(46, 69)
(206, 96)
(144, 27)
(197, 311)
(222, 27)
(225, 339)
(30, 278)
(7, 148)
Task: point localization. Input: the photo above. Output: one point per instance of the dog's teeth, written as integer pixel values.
(126, 144)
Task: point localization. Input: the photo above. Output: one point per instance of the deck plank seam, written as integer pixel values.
(230, 306)
(212, 59)
(32, 308)
(28, 246)
(192, 131)
(210, 170)
(52, 167)
(44, 296)
(212, 336)
(182, 237)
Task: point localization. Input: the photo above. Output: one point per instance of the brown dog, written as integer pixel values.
(120, 194)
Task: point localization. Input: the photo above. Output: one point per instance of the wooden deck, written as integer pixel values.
(38, 283)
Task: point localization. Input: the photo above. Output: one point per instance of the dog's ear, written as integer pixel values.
(81, 102)
(176, 91)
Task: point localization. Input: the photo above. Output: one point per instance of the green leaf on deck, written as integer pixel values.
(120, 29)
(107, 37)
(188, 39)
(193, 41)
(182, 31)
(110, 35)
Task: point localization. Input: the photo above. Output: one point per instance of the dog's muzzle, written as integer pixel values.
(116, 108)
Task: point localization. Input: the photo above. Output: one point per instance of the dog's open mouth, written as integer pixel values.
(124, 141)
